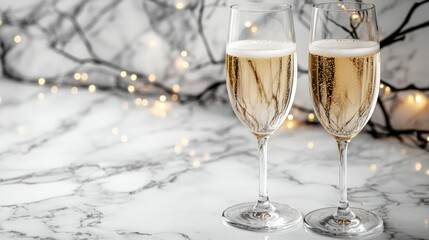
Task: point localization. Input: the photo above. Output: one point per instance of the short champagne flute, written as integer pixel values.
(344, 74)
(261, 80)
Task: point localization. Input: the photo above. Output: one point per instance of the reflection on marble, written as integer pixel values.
(98, 166)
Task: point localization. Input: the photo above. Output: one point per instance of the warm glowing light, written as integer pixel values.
(123, 74)
(180, 5)
(0, 99)
(176, 88)
(17, 39)
(41, 81)
(138, 101)
(290, 124)
(162, 98)
(92, 88)
(427, 171)
(74, 90)
(196, 164)
(247, 24)
(54, 89)
(310, 145)
(41, 96)
(311, 117)
(427, 139)
(184, 142)
(77, 76)
(115, 131)
(185, 64)
(1, 22)
(145, 102)
(418, 98)
(355, 16)
(192, 153)
(178, 149)
(124, 138)
(133, 77)
(254, 29)
(174, 97)
(387, 90)
(151, 78)
(373, 167)
(381, 85)
(290, 117)
(184, 53)
(131, 88)
(84, 76)
(418, 166)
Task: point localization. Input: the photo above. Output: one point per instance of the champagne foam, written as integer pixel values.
(343, 48)
(260, 48)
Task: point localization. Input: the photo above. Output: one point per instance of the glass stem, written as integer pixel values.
(343, 215)
(263, 207)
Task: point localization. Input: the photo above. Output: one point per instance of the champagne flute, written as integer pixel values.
(261, 80)
(344, 73)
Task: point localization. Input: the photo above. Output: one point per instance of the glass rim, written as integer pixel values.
(364, 6)
(246, 7)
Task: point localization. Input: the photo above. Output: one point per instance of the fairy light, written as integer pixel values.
(151, 77)
(180, 5)
(290, 124)
(427, 139)
(178, 149)
(92, 88)
(290, 117)
(418, 99)
(174, 97)
(192, 153)
(131, 88)
(54, 89)
(41, 81)
(254, 29)
(387, 90)
(418, 166)
(138, 101)
(162, 98)
(115, 131)
(184, 53)
(41, 96)
(74, 90)
(124, 138)
(381, 85)
(1, 22)
(184, 142)
(310, 145)
(123, 74)
(17, 39)
(133, 77)
(185, 64)
(355, 16)
(145, 102)
(77, 76)
(247, 24)
(373, 167)
(427, 171)
(84, 76)
(196, 163)
(311, 117)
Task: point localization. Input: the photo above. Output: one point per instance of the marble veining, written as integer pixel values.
(98, 166)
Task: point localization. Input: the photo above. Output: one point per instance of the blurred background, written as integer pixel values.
(175, 48)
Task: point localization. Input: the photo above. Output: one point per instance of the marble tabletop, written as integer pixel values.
(102, 166)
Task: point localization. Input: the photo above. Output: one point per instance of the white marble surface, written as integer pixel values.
(64, 174)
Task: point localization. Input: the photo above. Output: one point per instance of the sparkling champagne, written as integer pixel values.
(260, 81)
(344, 75)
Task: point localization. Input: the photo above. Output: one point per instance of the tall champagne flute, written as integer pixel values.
(344, 73)
(261, 80)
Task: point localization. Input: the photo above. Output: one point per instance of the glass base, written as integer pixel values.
(280, 218)
(366, 224)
